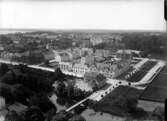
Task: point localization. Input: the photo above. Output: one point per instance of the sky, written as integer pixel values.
(75, 14)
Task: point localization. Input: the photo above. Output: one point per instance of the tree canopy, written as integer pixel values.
(3, 68)
(33, 114)
(62, 116)
(5, 92)
(12, 116)
(42, 101)
(122, 97)
(77, 118)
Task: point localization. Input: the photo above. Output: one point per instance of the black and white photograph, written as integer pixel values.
(83, 60)
(83, 75)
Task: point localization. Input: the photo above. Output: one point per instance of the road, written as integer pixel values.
(97, 96)
(113, 82)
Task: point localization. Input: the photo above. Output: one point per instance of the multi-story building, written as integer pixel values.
(73, 69)
(108, 67)
(80, 68)
(102, 52)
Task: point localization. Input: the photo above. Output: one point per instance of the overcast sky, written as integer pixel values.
(66, 14)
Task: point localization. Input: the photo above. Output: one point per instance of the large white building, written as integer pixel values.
(78, 67)
(110, 70)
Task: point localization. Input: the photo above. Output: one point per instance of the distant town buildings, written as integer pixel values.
(77, 58)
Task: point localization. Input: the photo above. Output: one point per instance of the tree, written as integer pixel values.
(58, 75)
(5, 39)
(42, 101)
(70, 89)
(60, 88)
(5, 92)
(3, 68)
(159, 113)
(46, 62)
(50, 114)
(21, 93)
(62, 116)
(12, 116)
(79, 109)
(33, 113)
(77, 118)
(100, 78)
(122, 97)
(23, 68)
(61, 101)
(131, 104)
(9, 77)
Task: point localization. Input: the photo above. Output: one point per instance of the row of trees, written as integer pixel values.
(32, 58)
(34, 79)
(34, 114)
(147, 43)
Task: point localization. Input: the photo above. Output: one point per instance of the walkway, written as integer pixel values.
(31, 66)
(141, 63)
(152, 73)
(97, 96)
(77, 104)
